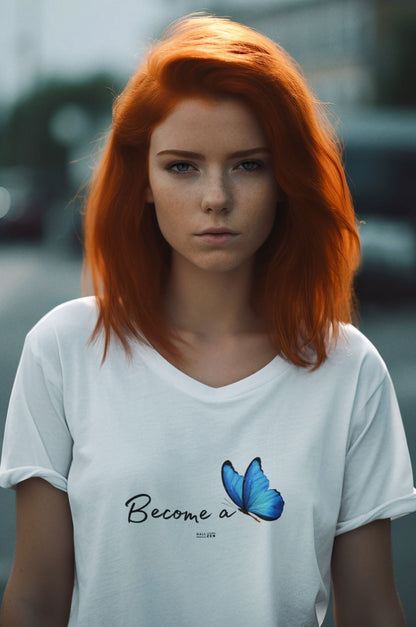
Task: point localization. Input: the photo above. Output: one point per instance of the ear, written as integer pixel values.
(149, 195)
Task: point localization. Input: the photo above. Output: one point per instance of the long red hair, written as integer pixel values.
(304, 270)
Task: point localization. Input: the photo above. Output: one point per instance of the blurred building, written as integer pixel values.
(343, 46)
(333, 40)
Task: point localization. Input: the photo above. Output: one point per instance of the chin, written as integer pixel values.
(222, 266)
(216, 261)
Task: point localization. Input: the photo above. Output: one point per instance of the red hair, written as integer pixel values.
(306, 266)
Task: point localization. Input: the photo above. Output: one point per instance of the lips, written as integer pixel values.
(218, 230)
(217, 236)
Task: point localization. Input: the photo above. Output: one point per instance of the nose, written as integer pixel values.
(216, 197)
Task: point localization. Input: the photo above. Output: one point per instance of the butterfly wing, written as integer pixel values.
(233, 483)
(257, 497)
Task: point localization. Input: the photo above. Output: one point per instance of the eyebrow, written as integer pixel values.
(196, 155)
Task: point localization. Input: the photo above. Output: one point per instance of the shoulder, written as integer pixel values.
(70, 323)
(355, 358)
(354, 343)
(74, 315)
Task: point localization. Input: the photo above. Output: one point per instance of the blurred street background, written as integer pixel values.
(61, 66)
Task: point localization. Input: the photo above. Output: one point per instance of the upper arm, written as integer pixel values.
(42, 577)
(364, 587)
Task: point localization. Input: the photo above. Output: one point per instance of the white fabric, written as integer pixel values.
(330, 441)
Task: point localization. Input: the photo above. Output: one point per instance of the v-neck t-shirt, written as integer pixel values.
(174, 485)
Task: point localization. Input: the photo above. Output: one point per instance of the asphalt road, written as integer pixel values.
(35, 279)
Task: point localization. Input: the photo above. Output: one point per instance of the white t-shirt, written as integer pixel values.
(139, 446)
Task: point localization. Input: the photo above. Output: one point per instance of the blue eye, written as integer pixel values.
(250, 166)
(181, 167)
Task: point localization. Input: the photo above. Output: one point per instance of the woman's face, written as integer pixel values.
(212, 183)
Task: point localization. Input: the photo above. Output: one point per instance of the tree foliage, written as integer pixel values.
(27, 139)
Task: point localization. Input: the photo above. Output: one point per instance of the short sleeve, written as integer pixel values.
(378, 481)
(37, 441)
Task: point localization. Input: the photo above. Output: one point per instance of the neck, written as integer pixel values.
(210, 304)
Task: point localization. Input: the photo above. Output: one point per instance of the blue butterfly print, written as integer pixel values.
(251, 493)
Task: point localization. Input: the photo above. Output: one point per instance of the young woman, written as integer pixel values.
(208, 439)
